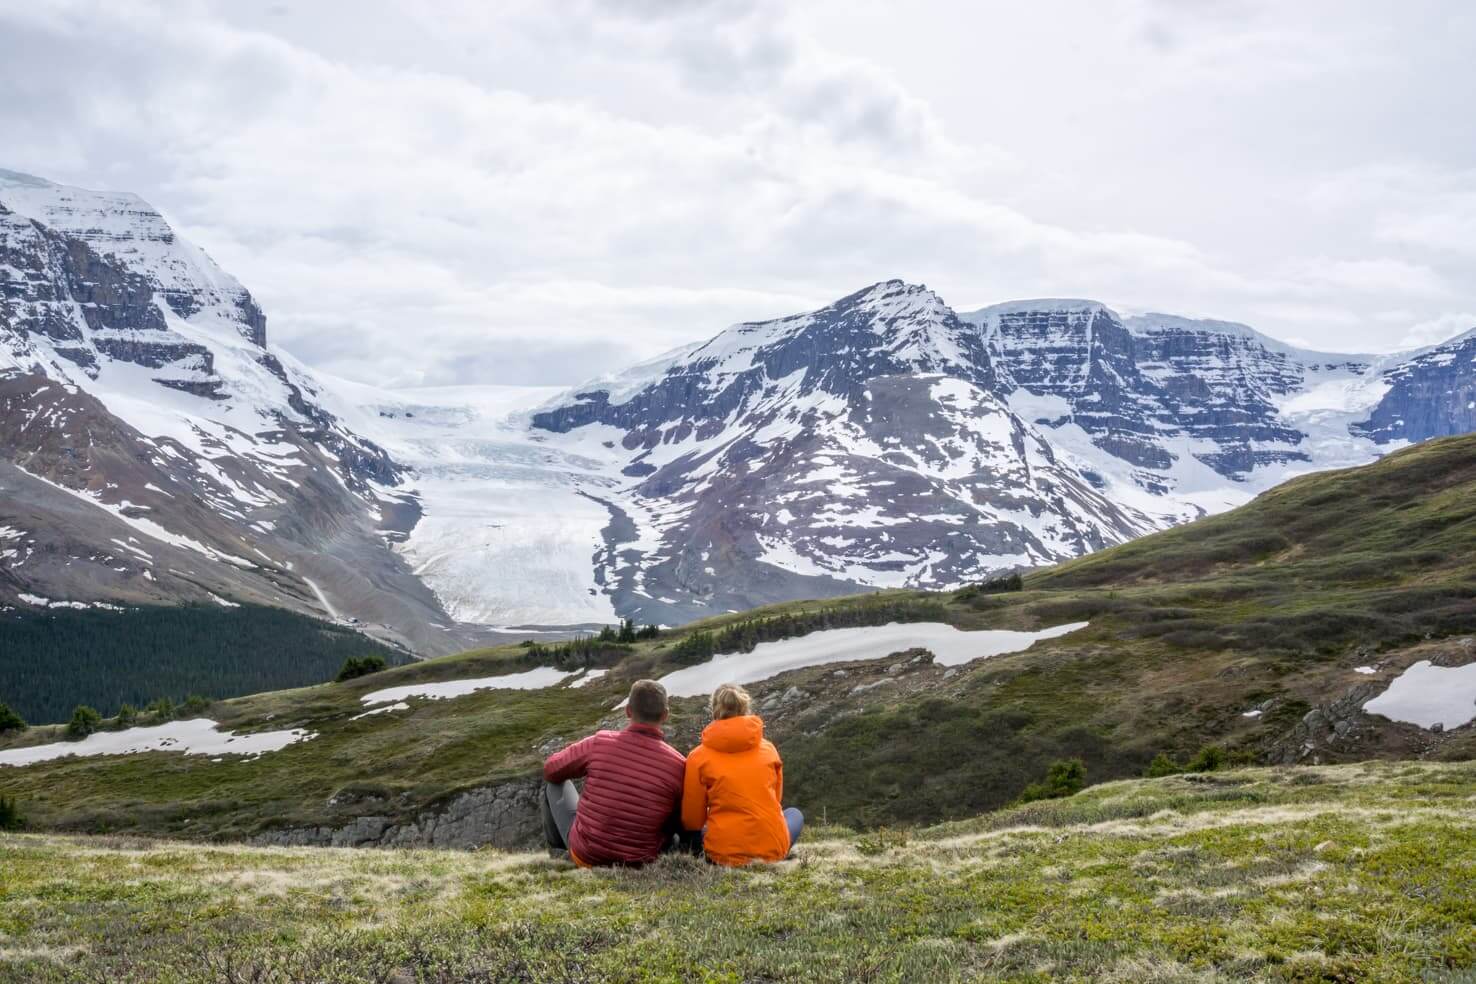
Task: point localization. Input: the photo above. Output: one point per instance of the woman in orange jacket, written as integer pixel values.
(734, 787)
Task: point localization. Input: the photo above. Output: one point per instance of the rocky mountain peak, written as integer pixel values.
(130, 233)
(891, 328)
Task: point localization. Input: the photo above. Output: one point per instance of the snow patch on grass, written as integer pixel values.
(1427, 695)
(534, 679)
(198, 736)
(949, 646)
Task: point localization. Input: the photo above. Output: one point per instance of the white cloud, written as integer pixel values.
(533, 192)
(1438, 329)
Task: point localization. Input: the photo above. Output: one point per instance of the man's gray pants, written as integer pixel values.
(559, 804)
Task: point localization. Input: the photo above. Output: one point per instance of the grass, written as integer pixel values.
(1343, 873)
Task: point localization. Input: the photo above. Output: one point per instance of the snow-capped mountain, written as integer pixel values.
(865, 443)
(1196, 413)
(155, 447)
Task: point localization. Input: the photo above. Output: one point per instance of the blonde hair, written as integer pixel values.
(730, 700)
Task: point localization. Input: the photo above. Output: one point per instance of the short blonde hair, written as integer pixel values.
(730, 700)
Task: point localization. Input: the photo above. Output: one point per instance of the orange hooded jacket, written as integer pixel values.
(734, 785)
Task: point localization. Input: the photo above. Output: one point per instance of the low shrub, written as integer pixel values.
(10, 721)
(1065, 777)
(194, 705)
(1162, 765)
(85, 721)
(1207, 759)
(10, 814)
(1210, 758)
(995, 585)
(358, 666)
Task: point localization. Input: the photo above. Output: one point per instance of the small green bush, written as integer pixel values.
(10, 721)
(10, 815)
(1065, 777)
(161, 710)
(995, 585)
(85, 721)
(127, 716)
(194, 705)
(1162, 766)
(358, 666)
(1209, 758)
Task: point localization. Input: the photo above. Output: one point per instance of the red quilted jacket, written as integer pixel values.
(632, 789)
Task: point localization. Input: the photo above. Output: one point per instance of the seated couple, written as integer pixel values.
(641, 797)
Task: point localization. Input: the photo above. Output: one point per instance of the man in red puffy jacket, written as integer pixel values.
(632, 788)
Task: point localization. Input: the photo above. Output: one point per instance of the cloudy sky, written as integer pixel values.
(525, 191)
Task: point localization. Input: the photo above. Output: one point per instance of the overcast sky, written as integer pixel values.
(533, 191)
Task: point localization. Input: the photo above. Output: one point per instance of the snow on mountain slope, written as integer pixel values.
(863, 444)
(1197, 413)
(881, 441)
(154, 448)
(127, 228)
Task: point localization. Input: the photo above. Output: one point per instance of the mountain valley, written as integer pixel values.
(158, 449)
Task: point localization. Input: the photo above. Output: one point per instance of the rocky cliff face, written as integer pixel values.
(1430, 395)
(1143, 386)
(504, 815)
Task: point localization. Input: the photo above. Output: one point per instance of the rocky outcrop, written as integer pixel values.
(1430, 395)
(504, 816)
(1142, 385)
(1079, 353)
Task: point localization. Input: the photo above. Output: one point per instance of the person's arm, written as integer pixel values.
(569, 763)
(694, 797)
(778, 777)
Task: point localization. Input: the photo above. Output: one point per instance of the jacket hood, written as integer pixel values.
(735, 734)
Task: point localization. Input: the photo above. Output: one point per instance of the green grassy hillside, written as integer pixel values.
(1268, 609)
(1347, 873)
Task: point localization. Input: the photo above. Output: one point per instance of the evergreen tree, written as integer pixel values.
(51, 661)
(1210, 758)
(10, 815)
(357, 666)
(1065, 777)
(10, 721)
(1162, 766)
(127, 716)
(84, 722)
(194, 705)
